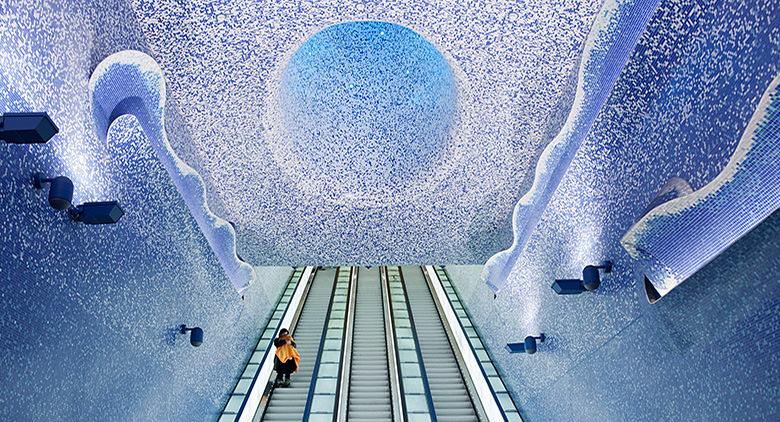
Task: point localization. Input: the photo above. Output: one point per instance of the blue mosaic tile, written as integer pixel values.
(643, 92)
(678, 109)
(88, 313)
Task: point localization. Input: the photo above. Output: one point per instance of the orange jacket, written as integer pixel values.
(287, 352)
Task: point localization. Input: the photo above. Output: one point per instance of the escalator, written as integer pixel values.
(450, 396)
(376, 344)
(288, 404)
(369, 383)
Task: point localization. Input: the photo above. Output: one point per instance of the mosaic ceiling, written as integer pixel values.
(405, 137)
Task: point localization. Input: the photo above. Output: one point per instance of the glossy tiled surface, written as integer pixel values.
(87, 312)
(703, 352)
(611, 356)
(404, 172)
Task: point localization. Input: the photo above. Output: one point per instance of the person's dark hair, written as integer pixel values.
(283, 331)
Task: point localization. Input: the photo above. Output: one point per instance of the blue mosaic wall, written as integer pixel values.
(130, 82)
(612, 38)
(88, 313)
(362, 96)
(678, 109)
(704, 352)
(677, 238)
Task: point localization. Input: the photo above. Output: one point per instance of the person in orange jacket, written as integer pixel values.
(286, 359)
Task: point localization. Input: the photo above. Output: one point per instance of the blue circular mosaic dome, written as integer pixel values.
(366, 107)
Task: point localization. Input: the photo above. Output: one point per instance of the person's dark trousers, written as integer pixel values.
(285, 369)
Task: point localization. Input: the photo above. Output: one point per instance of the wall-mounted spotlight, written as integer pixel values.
(196, 334)
(60, 190)
(591, 280)
(527, 346)
(61, 195)
(27, 128)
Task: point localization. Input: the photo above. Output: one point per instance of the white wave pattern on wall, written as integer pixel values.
(677, 238)
(612, 38)
(131, 82)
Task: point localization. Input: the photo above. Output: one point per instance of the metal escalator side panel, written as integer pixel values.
(396, 390)
(416, 393)
(346, 357)
(250, 385)
(485, 375)
(323, 394)
(239, 395)
(485, 400)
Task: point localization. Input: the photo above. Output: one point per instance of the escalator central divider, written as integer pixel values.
(393, 365)
(428, 395)
(396, 352)
(315, 372)
(342, 394)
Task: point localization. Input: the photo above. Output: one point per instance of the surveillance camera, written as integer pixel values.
(27, 128)
(590, 278)
(97, 212)
(61, 195)
(568, 286)
(196, 337)
(60, 190)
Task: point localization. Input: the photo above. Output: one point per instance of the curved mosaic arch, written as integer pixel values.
(131, 82)
(612, 38)
(677, 238)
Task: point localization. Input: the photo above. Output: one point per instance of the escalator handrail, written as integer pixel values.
(490, 355)
(471, 346)
(397, 402)
(343, 382)
(290, 280)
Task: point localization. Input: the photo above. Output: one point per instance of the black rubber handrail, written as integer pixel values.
(395, 339)
(343, 340)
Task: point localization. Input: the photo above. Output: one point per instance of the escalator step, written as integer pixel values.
(450, 397)
(369, 392)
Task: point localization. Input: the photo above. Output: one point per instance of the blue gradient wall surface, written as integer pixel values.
(677, 238)
(130, 83)
(611, 40)
(678, 109)
(705, 352)
(88, 313)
